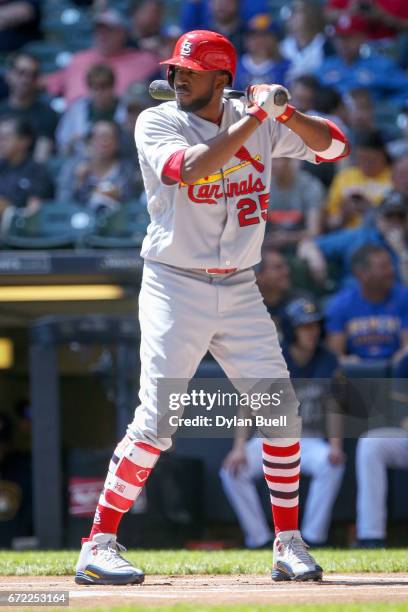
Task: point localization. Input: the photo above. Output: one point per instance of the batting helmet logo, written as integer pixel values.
(186, 48)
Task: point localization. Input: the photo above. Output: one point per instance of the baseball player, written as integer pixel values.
(206, 165)
(312, 366)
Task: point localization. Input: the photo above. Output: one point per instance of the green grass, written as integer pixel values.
(183, 562)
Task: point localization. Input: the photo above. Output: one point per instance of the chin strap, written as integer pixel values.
(338, 148)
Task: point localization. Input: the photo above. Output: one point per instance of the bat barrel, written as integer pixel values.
(161, 90)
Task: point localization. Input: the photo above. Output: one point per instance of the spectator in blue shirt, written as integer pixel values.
(262, 61)
(370, 319)
(348, 69)
(387, 227)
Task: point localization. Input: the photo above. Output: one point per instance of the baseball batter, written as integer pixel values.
(206, 163)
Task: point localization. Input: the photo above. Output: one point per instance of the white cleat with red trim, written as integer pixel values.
(100, 563)
(291, 560)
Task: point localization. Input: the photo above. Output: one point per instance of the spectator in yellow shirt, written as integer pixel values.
(357, 189)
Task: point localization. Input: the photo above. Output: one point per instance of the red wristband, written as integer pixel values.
(284, 117)
(256, 111)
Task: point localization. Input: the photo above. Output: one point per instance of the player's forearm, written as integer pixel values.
(205, 158)
(314, 131)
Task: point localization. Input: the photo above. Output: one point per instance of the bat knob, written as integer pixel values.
(281, 97)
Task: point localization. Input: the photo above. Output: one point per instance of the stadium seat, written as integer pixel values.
(122, 228)
(54, 225)
(369, 368)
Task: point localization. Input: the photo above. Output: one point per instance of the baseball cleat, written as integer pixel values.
(291, 560)
(100, 563)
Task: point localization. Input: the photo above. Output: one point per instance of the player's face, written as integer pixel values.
(194, 89)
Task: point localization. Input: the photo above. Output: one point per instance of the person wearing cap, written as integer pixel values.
(312, 367)
(370, 319)
(388, 227)
(349, 69)
(110, 40)
(261, 62)
(357, 189)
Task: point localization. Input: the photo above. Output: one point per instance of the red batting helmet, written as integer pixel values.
(202, 50)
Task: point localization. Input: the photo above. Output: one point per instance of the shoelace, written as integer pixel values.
(111, 553)
(299, 549)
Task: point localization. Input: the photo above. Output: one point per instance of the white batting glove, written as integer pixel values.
(269, 101)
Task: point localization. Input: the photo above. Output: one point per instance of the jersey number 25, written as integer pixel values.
(251, 210)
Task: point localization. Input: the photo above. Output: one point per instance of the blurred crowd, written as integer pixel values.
(75, 77)
(66, 125)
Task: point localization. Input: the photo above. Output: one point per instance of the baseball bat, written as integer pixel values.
(161, 90)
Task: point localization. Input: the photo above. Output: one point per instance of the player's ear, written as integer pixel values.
(222, 80)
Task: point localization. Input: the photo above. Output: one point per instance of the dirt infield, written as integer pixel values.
(250, 589)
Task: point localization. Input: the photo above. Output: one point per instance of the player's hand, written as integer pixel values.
(235, 461)
(269, 101)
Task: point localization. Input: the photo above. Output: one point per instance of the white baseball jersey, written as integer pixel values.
(219, 221)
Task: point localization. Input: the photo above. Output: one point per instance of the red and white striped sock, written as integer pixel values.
(129, 468)
(281, 465)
